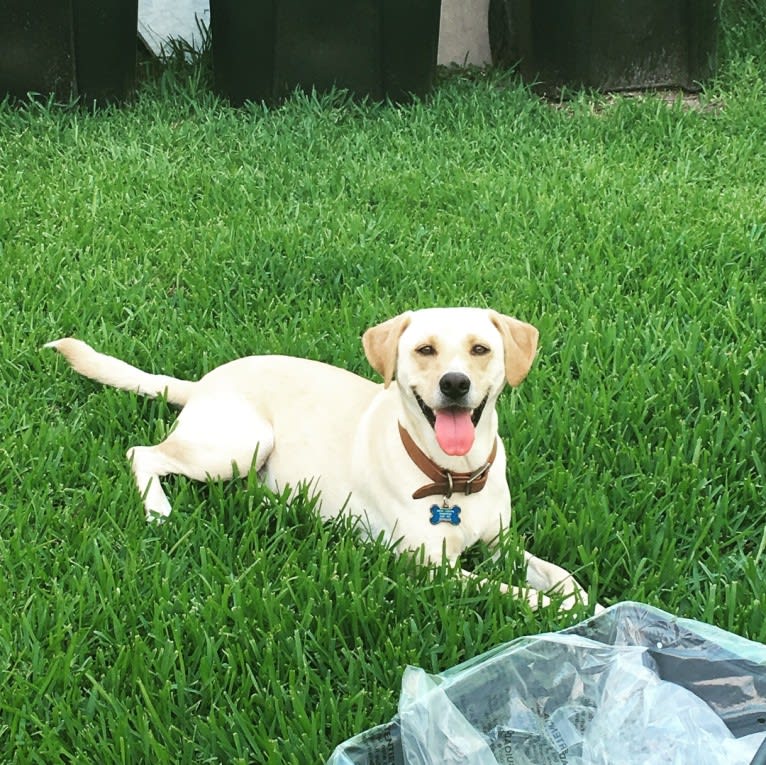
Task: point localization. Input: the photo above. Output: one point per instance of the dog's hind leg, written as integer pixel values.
(149, 464)
(214, 437)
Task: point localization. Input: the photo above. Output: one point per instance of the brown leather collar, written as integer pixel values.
(445, 481)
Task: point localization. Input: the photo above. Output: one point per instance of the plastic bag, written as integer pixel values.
(634, 686)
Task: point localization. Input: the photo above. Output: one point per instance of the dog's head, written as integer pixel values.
(450, 365)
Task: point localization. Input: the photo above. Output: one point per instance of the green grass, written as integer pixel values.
(178, 233)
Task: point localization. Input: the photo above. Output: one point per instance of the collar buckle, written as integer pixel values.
(475, 476)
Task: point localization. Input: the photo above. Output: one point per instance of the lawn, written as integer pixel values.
(177, 233)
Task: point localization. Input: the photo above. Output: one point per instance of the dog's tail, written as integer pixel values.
(111, 371)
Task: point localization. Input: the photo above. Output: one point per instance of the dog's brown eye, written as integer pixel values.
(479, 350)
(426, 350)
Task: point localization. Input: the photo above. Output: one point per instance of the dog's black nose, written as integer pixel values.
(454, 385)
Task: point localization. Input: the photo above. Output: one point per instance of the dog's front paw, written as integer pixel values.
(154, 517)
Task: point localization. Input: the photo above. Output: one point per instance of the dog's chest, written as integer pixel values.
(454, 540)
(446, 526)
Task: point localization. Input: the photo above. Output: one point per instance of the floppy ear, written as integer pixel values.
(381, 344)
(520, 345)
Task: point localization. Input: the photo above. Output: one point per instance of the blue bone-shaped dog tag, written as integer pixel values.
(445, 515)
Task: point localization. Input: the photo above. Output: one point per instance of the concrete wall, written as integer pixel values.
(464, 34)
(463, 39)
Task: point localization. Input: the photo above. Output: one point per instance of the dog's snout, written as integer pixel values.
(454, 385)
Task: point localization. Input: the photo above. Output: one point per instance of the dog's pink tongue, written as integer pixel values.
(454, 431)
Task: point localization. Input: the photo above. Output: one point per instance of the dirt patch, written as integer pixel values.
(689, 101)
